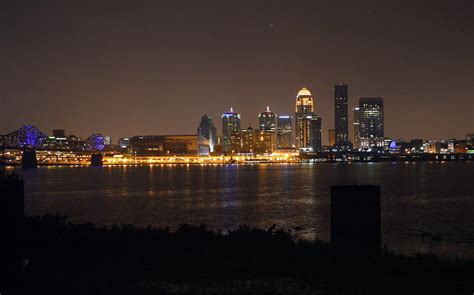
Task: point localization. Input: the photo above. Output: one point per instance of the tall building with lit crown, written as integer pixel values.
(356, 128)
(267, 120)
(230, 129)
(371, 122)
(341, 122)
(304, 108)
(207, 136)
(284, 132)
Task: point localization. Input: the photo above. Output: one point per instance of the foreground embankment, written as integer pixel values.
(50, 255)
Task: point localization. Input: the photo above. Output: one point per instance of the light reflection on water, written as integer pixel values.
(436, 197)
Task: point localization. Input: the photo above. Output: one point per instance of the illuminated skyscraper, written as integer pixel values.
(356, 128)
(371, 123)
(284, 132)
(341, 122)
(267, 120)
(230, 126)
(304, 108)
(207, 136)
(315, 133)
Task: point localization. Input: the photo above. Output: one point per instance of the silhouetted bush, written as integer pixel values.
(52, 255)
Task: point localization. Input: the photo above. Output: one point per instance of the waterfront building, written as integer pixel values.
(57, 143)
(230, 125)
(267, 120)
(432, 147)
(331, 137)
(451, 144)
(416, 145)
(218, 150)
(470, 143)
(76, 143)
(258, 141)
(284, 132)
(235, 142)
(207, 136)
(124, 142)
(265, 141)
(371, 122)
(164, 145)
(248, 140)
(59, 133)
(315, 133)
(461, 146)
(356, 128)
(341, 121)
(304, 107)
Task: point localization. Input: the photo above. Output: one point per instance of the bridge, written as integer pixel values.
(27, 146)
(26, 137)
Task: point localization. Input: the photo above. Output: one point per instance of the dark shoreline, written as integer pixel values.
(52, 255)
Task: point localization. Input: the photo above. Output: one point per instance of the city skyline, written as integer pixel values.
(111, 70)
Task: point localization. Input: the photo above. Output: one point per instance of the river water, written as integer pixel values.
(433, 197)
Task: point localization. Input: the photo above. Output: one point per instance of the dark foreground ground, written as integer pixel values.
(61, 258)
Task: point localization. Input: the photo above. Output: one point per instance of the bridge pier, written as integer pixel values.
(28, 159)
(97, 160)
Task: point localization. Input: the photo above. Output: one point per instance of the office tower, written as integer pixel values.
(331, 137)
(356, 128)
(371, 124)
(124, 142)
(315, 133)
(248, 140)
(265, 141)
(235, 142)
(230, 125)
(341, 115)
(267, 120)
(207, 136)
(59, 133)
(304, 108)
(284, 132)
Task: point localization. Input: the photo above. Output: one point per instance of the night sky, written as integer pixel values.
(126, 68)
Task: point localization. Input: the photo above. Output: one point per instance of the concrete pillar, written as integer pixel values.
(96, 160)
(28, 159)
(355, 215)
